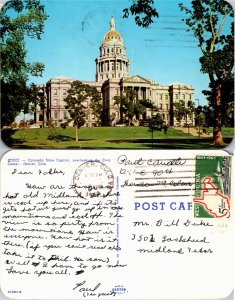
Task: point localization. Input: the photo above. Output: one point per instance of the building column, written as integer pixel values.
(139, 93)
(147, 94)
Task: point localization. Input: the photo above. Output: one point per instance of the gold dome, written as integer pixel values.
(112, 36)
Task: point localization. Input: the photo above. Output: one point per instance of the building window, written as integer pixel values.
(150, 93)
(167, 106)
(176, 96)
(55, 92)
(108, 50)
(190, 97)
(183, 96)
(64, 92)
(160, 105)
(55, 114)
(65, 114)
(166, 97)
(56, 102)
(160, 97)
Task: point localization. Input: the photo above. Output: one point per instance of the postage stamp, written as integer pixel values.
(212, 198)
(93, 179)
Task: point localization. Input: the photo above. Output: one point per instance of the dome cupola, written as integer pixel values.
(112, 62)
(112, 36)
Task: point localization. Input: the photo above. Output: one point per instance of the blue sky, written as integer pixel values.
(164, 52)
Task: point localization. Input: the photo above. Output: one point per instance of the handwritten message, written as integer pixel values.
(82, 225)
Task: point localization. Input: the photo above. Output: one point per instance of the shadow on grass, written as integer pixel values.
(65, 138)
(202, 143)
(13, 143)
(164, 141)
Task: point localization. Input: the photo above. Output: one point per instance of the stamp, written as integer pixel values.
(93, 179)
(212, 187)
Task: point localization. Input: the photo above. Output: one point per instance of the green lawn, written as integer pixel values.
(112, 137)
(227, 132)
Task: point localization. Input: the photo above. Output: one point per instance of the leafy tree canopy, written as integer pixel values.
(129, 105)
(179, 110)
(19, 18)
(156, 122)
(143, 10)
(207, 19)
(80, 98)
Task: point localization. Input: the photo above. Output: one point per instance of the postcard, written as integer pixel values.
(134, 221)
(117, 224)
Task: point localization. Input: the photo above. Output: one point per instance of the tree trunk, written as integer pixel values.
(217, 134)
(76, 133)
(121, 114)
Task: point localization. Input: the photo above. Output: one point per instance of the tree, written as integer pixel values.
(19, 18)
(96, 104)
(129, 106)
(121, 101)
(230, 115)
(200, 118)
(227, 101)
(156, 122)
(38, 101)
(190, 111)
(206, 19)
(208, 113)
(180, 111)
(143, 10)
(80, 98)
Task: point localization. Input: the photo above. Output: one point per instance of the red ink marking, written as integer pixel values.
(213, 204)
